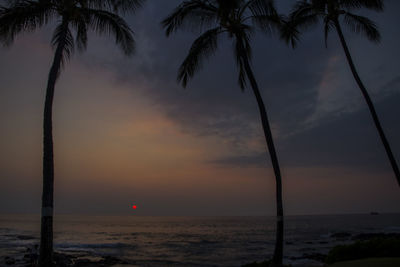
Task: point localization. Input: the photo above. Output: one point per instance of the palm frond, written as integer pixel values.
(203, 47)
(305, 15)
(115, 6)
(289, 33)
(80, 25)
(291, 29)
(328, 26)
(194, 13)
(304, 8)
(268, 24)
(362, 25)
(321, 5)
(264, 15)
(242, 45)
(104, 22)
(62, 35)
(241, 75)
(23, 16)
(125, 6)
(260, 7)
(246, 37)
(228, 7)
(376, 5)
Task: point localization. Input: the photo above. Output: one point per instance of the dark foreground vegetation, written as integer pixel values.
(380, 249)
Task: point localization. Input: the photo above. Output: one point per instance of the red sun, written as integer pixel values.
(134, 207)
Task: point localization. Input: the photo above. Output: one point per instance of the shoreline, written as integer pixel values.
(79, 258)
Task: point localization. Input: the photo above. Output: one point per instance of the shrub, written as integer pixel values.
(374, 248)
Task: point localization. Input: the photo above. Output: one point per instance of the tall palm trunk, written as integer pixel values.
(46, 234)
(369, 103)
(278, 253)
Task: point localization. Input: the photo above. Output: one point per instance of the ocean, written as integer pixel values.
(191, 241)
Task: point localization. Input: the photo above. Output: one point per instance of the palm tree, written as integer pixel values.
(71, 15)
(332, 12)
(236, 19)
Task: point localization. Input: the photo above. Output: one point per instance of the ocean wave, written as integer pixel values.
(392, 229)
(94, 246)
(218, 243)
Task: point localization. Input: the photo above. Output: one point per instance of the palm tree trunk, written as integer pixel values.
(369, 103)
(278, 253)
(46, 234)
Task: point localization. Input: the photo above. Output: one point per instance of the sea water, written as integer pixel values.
(191, 241)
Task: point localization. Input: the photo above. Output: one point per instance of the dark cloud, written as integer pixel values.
(290, 81)
(350, 141)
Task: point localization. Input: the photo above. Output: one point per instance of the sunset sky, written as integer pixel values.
(127, 134)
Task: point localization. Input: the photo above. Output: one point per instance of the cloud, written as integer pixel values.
(130, 120)
(349, 141)
(308, 92)
(258, 160)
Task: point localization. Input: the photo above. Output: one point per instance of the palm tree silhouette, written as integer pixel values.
(79, 16)
(306, 13)
(236, 19)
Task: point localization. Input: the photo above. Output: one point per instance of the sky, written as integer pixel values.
(126, 133)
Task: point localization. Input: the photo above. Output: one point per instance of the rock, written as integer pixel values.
(9, 261)
(341, 235)
(84, 262)
(109, 260)
(24, 237)
(310, 256)
(315, 256)
(63, 260)
(67, 260)
(368, 236)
